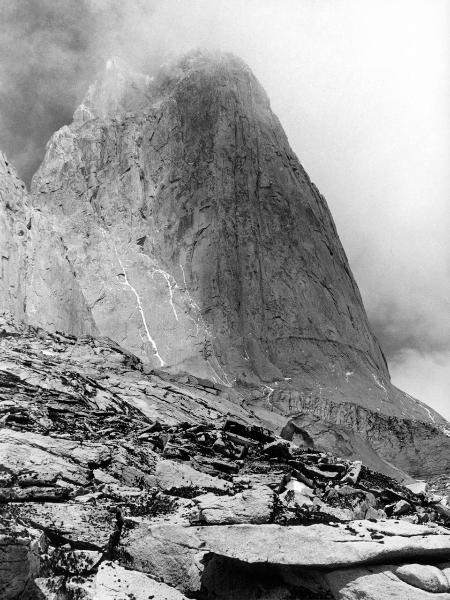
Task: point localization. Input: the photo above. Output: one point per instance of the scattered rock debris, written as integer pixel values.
(95, 454)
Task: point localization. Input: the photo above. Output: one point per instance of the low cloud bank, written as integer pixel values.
(407, 369)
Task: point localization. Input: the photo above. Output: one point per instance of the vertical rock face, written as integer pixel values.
(195, 233)
(197, 237)
(37, 282)
(13, 228)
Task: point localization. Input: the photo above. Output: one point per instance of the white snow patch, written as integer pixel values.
(379, 383)
(425, 408)
(171, 284)
(139, 304)
(269, 395)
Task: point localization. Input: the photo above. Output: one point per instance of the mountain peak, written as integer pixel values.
(121, 89)
(118, 89)
(116, 63)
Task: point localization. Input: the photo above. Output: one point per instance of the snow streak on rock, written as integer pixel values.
(139, 307)
(172, 285)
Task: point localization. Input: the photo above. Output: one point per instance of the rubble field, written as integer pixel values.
(124, 483)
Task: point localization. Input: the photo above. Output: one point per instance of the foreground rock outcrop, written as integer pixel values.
(118, 481)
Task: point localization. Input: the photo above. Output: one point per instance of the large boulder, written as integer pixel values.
(45, 459)
(381, 583)
(176, 553)
(20, 551)
(174, 477)
(112, 582)
(82, 525)
(250, 506)
(425, 577)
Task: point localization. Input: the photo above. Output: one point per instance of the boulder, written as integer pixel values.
(318, 545)
(53, 588)
(402, 507)
(250, 506)
(340, 514)
(113, 582)
(74, 562)
(353, 473)
(279, 449)
(43, 457)
(418, 487)
(375, 583)
(169, 553)
(172, 476)
(425, 577)
(19, 560)
(373, 513)
(83, 525)
(297, 493)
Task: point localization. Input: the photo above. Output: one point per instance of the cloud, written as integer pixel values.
(408, 367)
(362, 89)
(42, 50)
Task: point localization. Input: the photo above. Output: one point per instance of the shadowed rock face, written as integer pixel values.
(184, 228)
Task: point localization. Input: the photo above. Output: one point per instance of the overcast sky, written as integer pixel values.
(362, 90)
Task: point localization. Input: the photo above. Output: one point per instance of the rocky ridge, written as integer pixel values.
(119, 481)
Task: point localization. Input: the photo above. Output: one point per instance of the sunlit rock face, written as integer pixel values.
(199, 243)
(37, 282)
(13, 228)
(195, 233)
